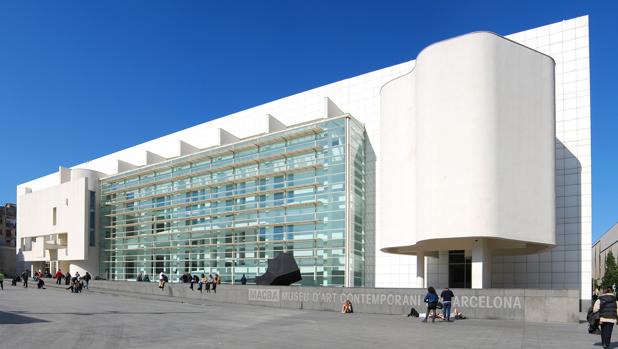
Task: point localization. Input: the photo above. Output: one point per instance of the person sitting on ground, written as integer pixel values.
(146, 278)
(73, 283)
(139, 277)
(40, 284)
(457, 314)
(347, 307)
(243, 280)
(162, 280)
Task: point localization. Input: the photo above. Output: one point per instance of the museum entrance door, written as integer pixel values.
(459, 269)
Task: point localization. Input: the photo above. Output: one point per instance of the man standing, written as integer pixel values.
(87, 278)
(607, 307)
(24, 276)
(447, 296)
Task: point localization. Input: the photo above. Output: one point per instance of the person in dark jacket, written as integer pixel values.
(24, 277)
(40, 284)
(607, 307)
(243, 280)
(87, 278)
(431, 298)
(67, 278)
(447, 296)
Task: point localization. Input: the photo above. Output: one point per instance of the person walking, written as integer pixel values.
(1, 281)
(431, 298)
(209, 283)
(24, 277)
(67, 278)
(202, 283)
(243, 280)
(216, 281)
(59, 277)
(447, 296)
(607, 307)
(87, 278)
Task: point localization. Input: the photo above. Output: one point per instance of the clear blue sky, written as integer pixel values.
(79, 80)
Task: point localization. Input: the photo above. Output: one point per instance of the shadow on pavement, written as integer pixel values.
(107, 313)
(16, 319)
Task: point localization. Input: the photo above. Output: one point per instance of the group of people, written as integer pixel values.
(433, 303)
(203, 282)
(76, 282)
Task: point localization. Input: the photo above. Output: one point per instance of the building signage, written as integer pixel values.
(464, 301)
(264, 295)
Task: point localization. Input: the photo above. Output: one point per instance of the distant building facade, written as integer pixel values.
(600, 249)
(8, 229)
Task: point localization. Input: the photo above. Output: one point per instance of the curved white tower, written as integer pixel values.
(468, 152)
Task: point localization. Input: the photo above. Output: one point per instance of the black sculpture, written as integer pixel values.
(282, 271)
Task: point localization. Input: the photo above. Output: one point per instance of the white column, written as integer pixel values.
(420, 270)
(481, 264)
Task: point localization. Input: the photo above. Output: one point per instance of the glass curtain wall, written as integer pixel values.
(230, 209)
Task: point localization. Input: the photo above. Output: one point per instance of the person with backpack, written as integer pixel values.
(431, 298)
(607, 307)
(447, 296)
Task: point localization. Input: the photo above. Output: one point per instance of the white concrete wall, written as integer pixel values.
(568, 265)
(485, 141)
(68, 192)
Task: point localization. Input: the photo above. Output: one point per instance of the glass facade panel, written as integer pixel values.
(230, 209)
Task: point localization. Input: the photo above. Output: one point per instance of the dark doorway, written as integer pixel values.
(159, 264)
(459, 269)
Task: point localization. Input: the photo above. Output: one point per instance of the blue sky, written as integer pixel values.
(80, 80)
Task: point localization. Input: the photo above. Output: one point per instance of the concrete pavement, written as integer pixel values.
(55, 318)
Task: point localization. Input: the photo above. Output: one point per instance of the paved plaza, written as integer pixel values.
(55, 318)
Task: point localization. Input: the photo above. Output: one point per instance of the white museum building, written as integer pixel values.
(469, 167)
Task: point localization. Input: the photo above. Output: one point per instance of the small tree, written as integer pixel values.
(611, 271)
